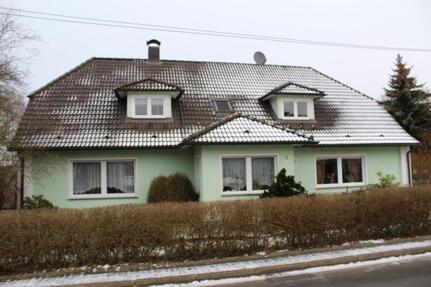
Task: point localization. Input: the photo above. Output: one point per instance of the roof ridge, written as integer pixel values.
(197, 61)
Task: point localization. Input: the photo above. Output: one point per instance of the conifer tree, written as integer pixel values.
(406, 101)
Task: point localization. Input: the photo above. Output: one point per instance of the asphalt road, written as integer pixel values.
(409, 273)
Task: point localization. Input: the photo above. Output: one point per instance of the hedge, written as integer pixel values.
(45, 239)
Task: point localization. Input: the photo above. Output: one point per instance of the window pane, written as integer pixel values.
(288, 109)
(86, 178)
(327, 171)
(120, 177)
(302, 109)
(223, 106)
(262, 172)
(352, 170)
(140, 107)
(157, 107)
(234, 174)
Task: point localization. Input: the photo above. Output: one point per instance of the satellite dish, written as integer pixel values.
(259, 58)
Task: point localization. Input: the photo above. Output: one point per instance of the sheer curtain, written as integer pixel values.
(86, 177)
(120, 177)
(234, 177)
(262, 172)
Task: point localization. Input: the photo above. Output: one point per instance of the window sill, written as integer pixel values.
(234, 193)
(342, 185)
(99, 196)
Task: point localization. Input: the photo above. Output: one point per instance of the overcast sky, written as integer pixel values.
(63, 46)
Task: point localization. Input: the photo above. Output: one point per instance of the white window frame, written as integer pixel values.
(295, 109)
(103, 179)
(248, 173)
(149, 114)
(339, 159)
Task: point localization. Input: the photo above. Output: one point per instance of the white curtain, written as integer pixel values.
(234, 177)
(262, 171)
(120, 177)
(86, 178)
(156, 107)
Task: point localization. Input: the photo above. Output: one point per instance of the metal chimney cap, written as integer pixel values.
(153, 41)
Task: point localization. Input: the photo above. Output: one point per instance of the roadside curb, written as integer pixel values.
(266, 270)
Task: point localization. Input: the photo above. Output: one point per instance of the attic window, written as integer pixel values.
(223, 106)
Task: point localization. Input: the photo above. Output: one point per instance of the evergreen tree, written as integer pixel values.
(283, 186)
(406, 101)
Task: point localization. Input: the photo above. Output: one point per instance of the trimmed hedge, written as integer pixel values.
(46, 239)
(172, 188)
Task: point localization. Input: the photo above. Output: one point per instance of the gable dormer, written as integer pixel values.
(292, 101)
(149, 98)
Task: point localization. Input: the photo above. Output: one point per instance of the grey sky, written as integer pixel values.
(388, 23)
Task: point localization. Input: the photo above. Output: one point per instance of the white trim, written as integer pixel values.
(248, 172)
(149, 114)
(340, 171)
(28, 176)
(103, 179)
(404, 165)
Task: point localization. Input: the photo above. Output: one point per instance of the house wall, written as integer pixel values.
(377, 159)
(51, 170)
(212, 172)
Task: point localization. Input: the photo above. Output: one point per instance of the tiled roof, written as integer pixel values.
(240, 129)
(80, 109)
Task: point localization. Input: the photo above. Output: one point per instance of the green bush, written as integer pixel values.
(385, 181)
(284, 186)
(173, 188)
(36, 202)
(46, 239)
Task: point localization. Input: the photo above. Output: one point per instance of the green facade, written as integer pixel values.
(51, 170)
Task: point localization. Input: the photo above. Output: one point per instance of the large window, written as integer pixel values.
(295, 109)
(347, 170)
(103, 178)
(247, 173)
(149, 107)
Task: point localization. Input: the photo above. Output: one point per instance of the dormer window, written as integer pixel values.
(148, 106)
(295, 109)
(293, 101)
(223, 106)
(149, 98)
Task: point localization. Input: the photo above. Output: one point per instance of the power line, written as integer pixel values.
(183, 30)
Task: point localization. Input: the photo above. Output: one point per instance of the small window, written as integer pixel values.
(141, 107)
(86, 178)
(223, 106)
(262, 172)
(289, 109)
(327, 171)
(234, 177)
(302, 109)
(148, 106)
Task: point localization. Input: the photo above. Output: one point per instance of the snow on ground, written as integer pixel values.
(300, 272)
(175, 271)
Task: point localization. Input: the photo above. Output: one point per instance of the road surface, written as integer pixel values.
(410, 273)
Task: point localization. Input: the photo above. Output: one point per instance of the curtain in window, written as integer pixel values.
(262, 172)
(234, 177)
(120, 177)
(352, 170)
(86, 178)
(327, 171)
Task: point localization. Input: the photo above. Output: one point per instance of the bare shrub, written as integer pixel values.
(46, 239)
